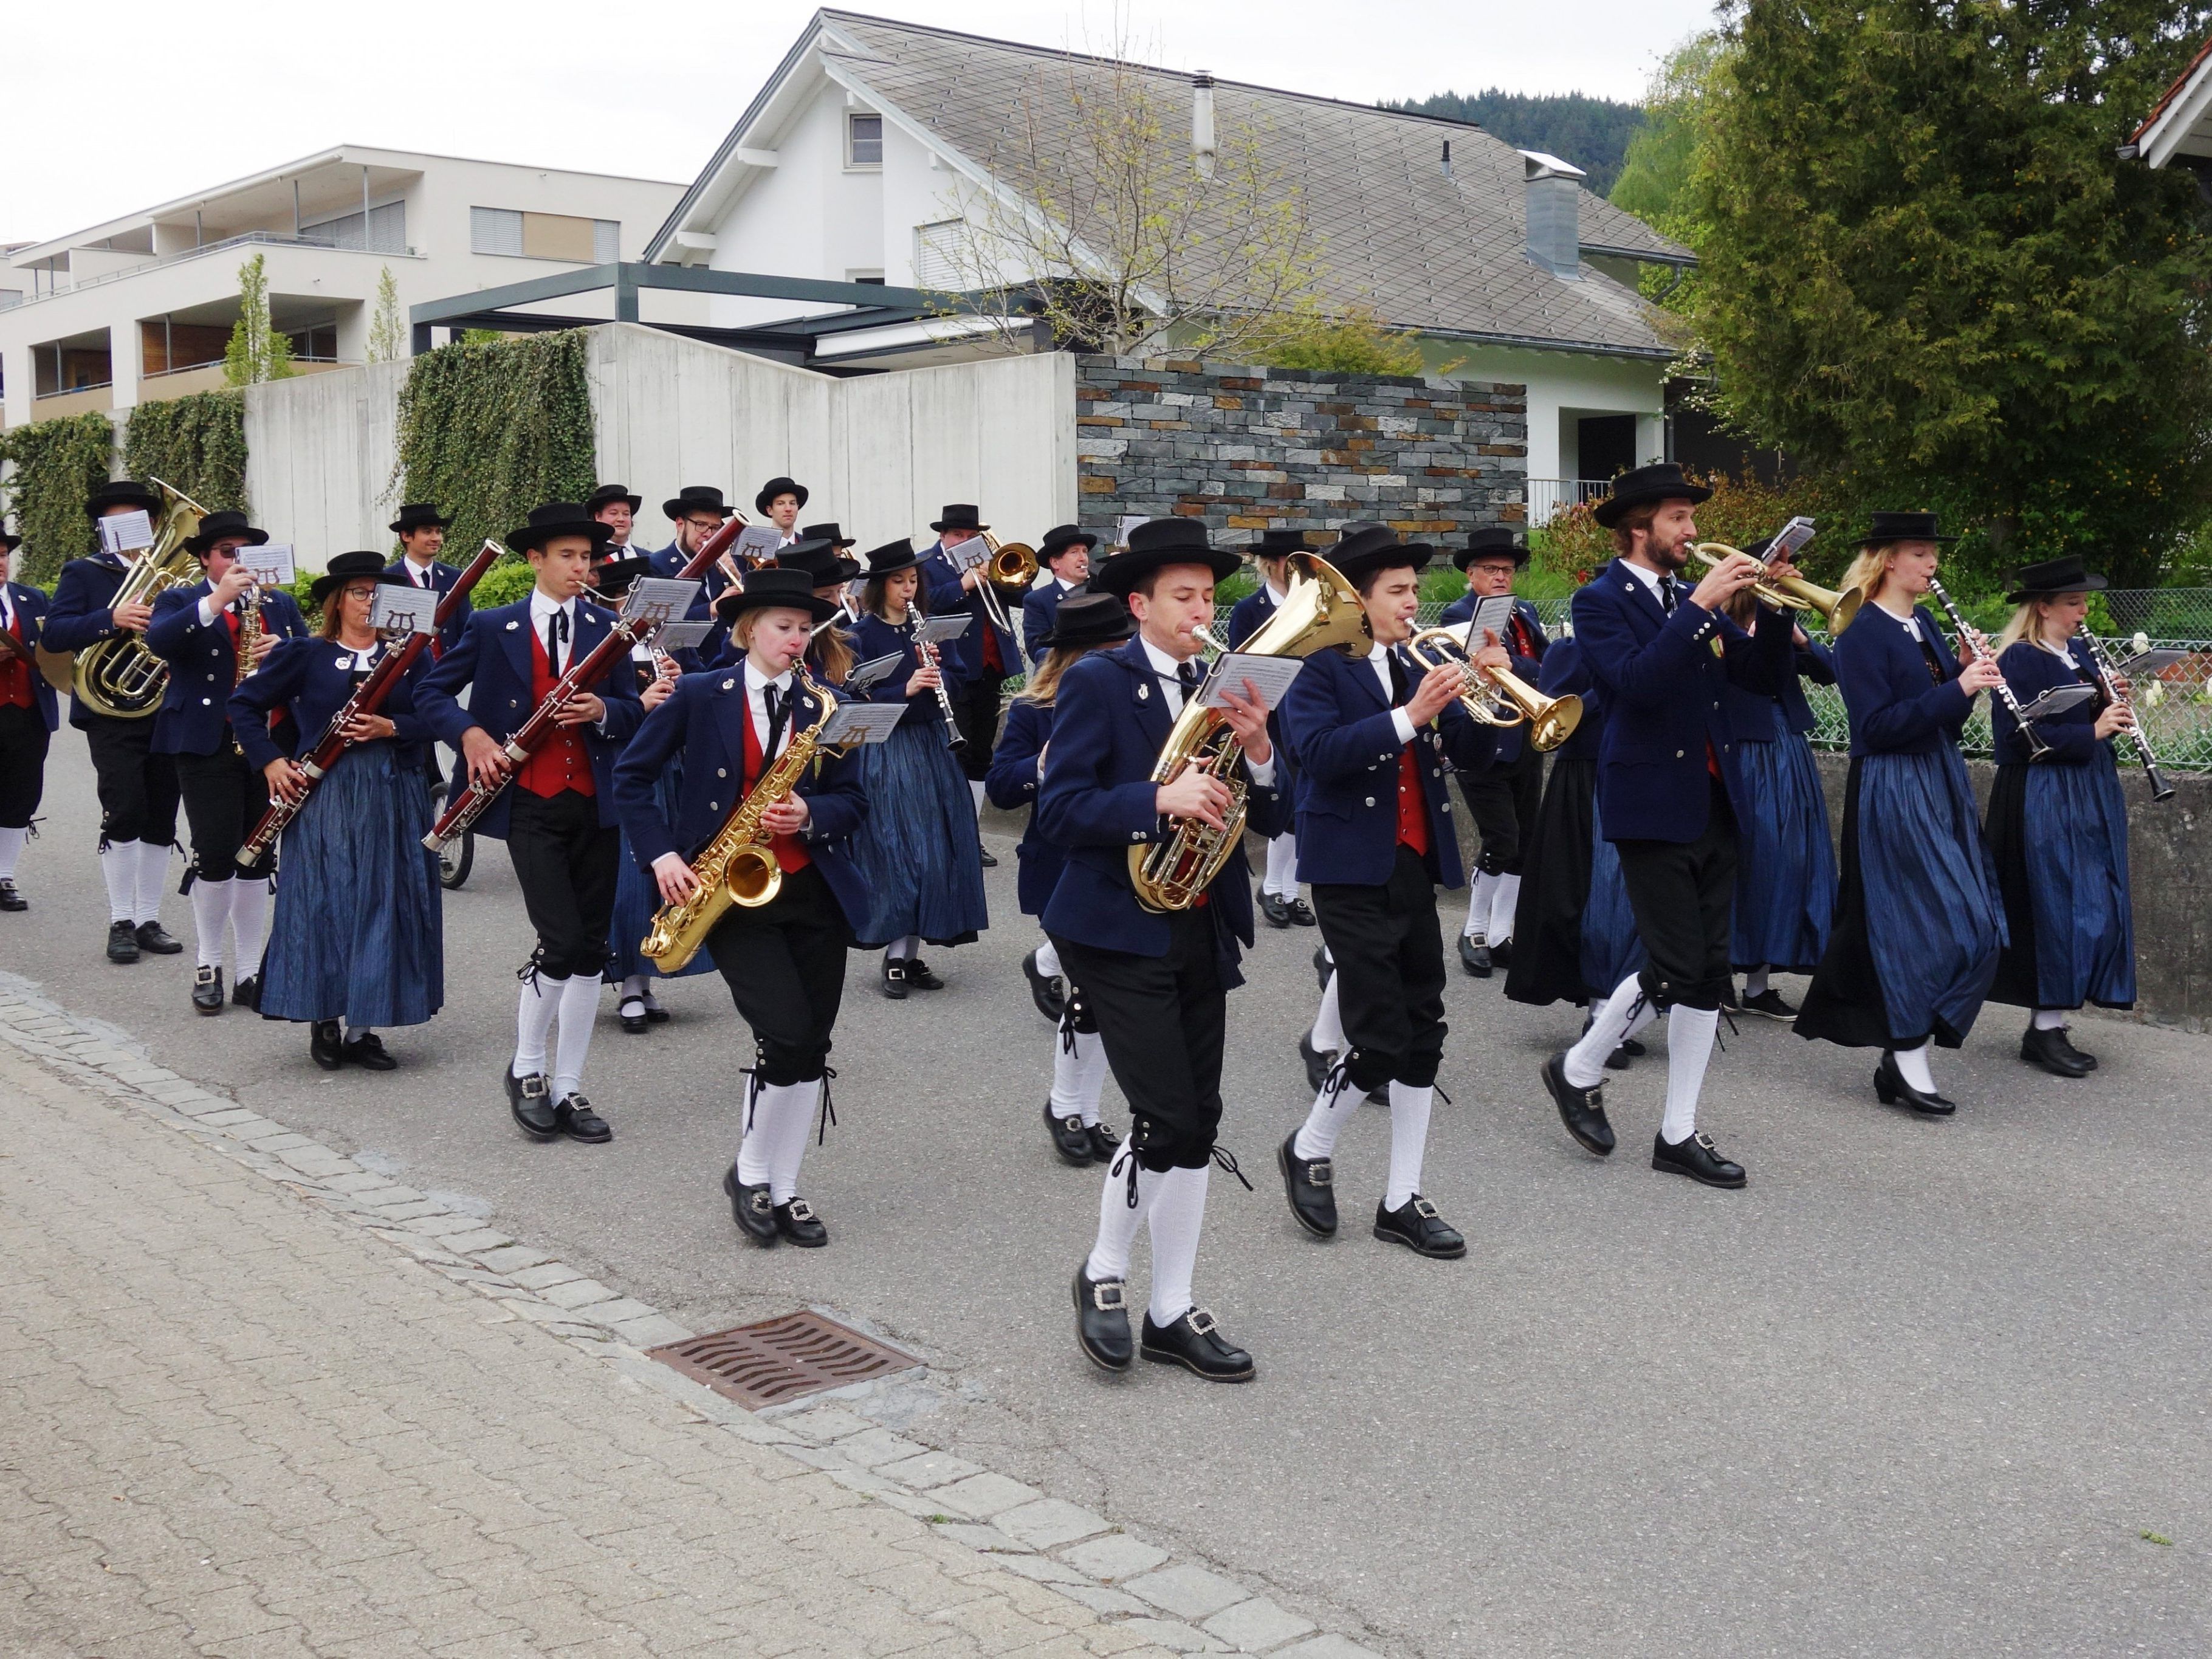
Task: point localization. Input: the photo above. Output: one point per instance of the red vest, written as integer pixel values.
(15, 672)
(790, 856)
(1413, 805)
(563, 762)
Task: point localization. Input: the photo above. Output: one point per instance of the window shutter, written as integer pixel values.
(495, 230)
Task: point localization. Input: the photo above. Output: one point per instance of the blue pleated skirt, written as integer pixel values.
(1612, 949)
(2059, 834)
(1785, 873)
(359, 932)
(637, 896)
(918, 851)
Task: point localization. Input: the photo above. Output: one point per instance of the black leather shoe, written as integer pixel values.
(1632, 1048)
(574, 1118)
(1698, 1158)
(246, 993)
(206, 990)
(990, 860)
(1318, 1061)
(1300, 914)
(1194, 1342)
(1069, 1137)
(530, 1104)
(1276, 909)
(1583, 1110)
(324, 1046)
(1104, 1143)
(749, 1207)
(1474, 957)
(2066, 1045)
(919, 978)
(895, 980)
(2045, 1048)
(655, 1015)
(1322, 967)
(1101, 1320)
(122, 942)
(1309, 1184)
(797, 1222)
(1770, 1003)
(367, 1051)
(1501, 952)
(631, 1012)
(1891, 1088)
(152, 936)
(1621, 1058)
(9, 898)
(1044, 989)
(1416, 1225)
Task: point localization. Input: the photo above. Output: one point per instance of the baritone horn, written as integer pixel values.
(1551, 721)
(1791, 592)
(120, 677)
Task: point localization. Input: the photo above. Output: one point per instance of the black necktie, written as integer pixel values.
(779, 705)
(1398, 683)
(556, 636)
(1190, 675)
(1666, 594)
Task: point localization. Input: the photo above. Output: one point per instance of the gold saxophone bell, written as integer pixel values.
(753, 876)
(1792, 593)
(1551, 721)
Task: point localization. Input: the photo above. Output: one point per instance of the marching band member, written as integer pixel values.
(1375, 838)
(1157, 983)
(917, 852)
(781, 498)
(1671, 793)
(820, 552)
(358, 941)
(1503, 800)
(30, 713)
(616, 507)
(1084, 623)
(557, 814)
(697, 511)
(1919, 924)
(1065, 554)
(1280, 900)
(200, 631)
(784, 961)
(977, 663)
(2058, 826)
(138, 787)
(421, 531)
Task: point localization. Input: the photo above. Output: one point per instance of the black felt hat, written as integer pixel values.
(1492, 538)
(959, 515)
(345, 568)
(1058, 539)
(2053, 577)
(1154, 545)
(618, 568)
(1088, 618)
(606, 496)
(1364, 548)
(558, 518)
(773, 587)
(9, 541)
(776, 486)
(418, 515)
(1885, 527)
(1279, 542)
(696, 498)
(820, 560)
(825, 532)
(1663, 481)
(123, 493)
(890, 559)
(224, 526)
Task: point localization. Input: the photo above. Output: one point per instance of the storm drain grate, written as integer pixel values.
(780, 1360)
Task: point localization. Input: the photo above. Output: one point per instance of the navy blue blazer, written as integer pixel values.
(194, 718)
(1896, 707)
(493, 658)
(31, 608)
(1247, 615)
(1040, 610)
(80, 615)
(965, 655)
(702, 719)
(1565, 673)
(1097, 802)
(442, 578)
(1012, 783)
(1348, 788)
(2030, 670)
(1662, 685)
(873, 637)
(1751, 713)
(1527, 668)
(311, 678)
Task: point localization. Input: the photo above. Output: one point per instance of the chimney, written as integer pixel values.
(1447, 159)
(1554, 201)
(1202, 152)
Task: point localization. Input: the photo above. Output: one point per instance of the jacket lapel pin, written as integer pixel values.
(511, 626)
(1144, 692)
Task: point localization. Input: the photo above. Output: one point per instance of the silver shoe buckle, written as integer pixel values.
(1321, 1172)
(1422, 1207)
(1202, 1321)
(1111, 1295)
(801, 1210)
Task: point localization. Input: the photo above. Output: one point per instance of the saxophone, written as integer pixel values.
(250, 630)
(736, 867)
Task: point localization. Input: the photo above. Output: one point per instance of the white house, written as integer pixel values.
(853, 163)
(139, 309)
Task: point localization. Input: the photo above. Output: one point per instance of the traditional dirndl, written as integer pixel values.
(637, 897)
(359, 932)
(918, 852)
(2059, 837)
(1785, 873)
(1612, 949)
(1919, 924)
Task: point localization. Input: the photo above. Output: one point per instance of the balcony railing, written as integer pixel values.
(249, 238)
(1549, 497)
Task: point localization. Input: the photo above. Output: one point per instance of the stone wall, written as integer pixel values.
(1245, 448)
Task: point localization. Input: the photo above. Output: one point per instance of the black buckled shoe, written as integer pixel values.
(2048, 1049)
(152, 936)
(1318, 1061)
(1622, 1057)
(895, 980)
(1069, 1138)
(797, 1222)
(1322, 967)
(1583, 1110)
(206, 990)
(1632, 1048)
(919, 977)
(1892, 1089)
(574, 1118)
(246, 993)
(367, 1051)
(1101, 1320)
(530, 1103)
(1501, 952)
(1104, 1143)
(1301, 913)
(1045, 990)
(324, 1046)
(1309, 1184)
(1416, 1225)
(749, 1207)
(1474, 957)
(9, 898)
(1275, 908)
(631, 1010)
(1770, 1003)
(1698, 1158)
(990, 858)
(1194, 1342)
(2066, 1045)
(122, 942)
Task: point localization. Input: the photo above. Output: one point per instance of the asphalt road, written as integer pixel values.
(1922, 1386)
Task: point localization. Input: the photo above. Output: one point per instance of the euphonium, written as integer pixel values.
(1321, 609)
(1791, 592)
(1551, 720)
(119, 676)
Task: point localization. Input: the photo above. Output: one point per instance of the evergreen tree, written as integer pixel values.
(1592, 133)
(256, 352)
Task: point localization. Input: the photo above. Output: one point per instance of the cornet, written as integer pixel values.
(1791, 592)
(1551, 721)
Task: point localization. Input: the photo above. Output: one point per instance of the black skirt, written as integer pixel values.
(1555, 885)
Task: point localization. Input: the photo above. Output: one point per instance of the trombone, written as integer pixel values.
(1551, 721)
(1006, 564)
(1791, 592)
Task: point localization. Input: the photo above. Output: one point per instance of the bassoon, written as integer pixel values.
(367, 697)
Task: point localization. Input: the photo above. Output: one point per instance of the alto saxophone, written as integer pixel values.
(736, 867)
(250, 630)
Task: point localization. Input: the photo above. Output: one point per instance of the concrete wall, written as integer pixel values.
(318, 455)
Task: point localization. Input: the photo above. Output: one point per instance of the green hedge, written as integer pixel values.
(58, 464)
(196, 444)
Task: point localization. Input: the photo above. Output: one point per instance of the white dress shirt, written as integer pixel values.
(1171, 678)
(1399, 720)
(756, 685)
(417, 573)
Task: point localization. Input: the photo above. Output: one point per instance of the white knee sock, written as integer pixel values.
(1328, 1021)
(902, 950)
(1689, 1034)
(1282, 877)
(761, 1151)
(1502, 903)
(976, 790)
(153, 871)
(1754, 982)
(1077, 1078)
(1644, 1016)
(1409, 1139)
(1479, 894)
(1912, 1067)
(1585, 1066)
(541, 1000)
(11, 849)
(249, 924)
(1335, 1103)
(1118, 1220)
(119, 868)
(1178, 1216)
(1048, 958)
(2050, 1020)
(579, 1008)
(794, 1134)
(210, 917)
(634, 986)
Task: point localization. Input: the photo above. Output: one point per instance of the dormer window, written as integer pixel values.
(864, 140)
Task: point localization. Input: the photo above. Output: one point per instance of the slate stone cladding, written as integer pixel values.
(1245, 448)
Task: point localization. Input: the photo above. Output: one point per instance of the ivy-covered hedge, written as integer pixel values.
(58, 464)
(197, 444)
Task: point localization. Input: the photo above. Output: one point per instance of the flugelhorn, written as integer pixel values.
(1791, 592)
(1551, 721)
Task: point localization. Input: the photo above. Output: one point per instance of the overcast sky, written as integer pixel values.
(118, 105)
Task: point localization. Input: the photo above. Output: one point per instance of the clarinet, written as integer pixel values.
(1978, 648)
(927, 652)
(2108, 683)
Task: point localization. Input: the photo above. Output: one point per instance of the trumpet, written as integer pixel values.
(1551, 721)
(1791, 592)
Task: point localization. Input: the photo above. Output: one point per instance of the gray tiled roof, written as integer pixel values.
(1422, 250)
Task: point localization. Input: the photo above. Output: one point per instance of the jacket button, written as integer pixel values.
(206, 702)
(1677, 754)
(721, 771)
(713, 806)
(1370, 800)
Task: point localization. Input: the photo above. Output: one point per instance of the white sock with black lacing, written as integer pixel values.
(768, 1118)
(1912, 1067)
(1282, 877)
(1178, 1216)
(249, 924)
(119, 868)
(1119, 1219)
(1479, 894)
(1336, 1101)
(1690, 1033)
(1327, 1034)
(1585, 1063)
(11, 849)
(579, 1008)
(210, 917)
(533, 1020)
(1078, 1077)
(1503, 899)
(153, 871)
(795, 1118)
(1409, 1140)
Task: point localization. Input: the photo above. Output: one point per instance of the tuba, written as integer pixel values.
(1551, 720)
(119, 676)
(1322, 610)
(1791, 592)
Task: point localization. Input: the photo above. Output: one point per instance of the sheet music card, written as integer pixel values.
(1270, 676)
(1492, 614)
(2144, 665)
(681, 635)
(271, 564)
(935, 630)
(2057, 701)
(757, 542)
(1129, 522)
(397, 610)
(865, 677)
(659, 599)
(863, 722)
(1788, 539)
(126, 533)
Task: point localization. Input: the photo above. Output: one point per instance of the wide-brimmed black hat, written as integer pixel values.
(1154, 545)
(825, 532)
(959, 515)
(773, 587)
(1279, 542)
(820, 560)
(418, 515)
(776, 486)
(619, 569)
(1364, 548)
(9, 541)
(224, 526)
(1061, 536)
(890, 559)
(558, 518)
(345, 568)
(2054, 576)
(1884, 527)
(125, 493)
(1088, 618)
(696, 498)
(1663, 481)
(605, 496)
(1492, 538)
